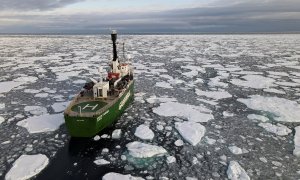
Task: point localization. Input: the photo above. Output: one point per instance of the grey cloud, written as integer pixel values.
(26, 5)
(263, 16)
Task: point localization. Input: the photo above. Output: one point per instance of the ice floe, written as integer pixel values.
(8, 86)
(1, 119)
(236, 172)
(27, 166)
(2, 106)
(283, 109)
(258, 117)
(43, 123)
(214, 94)
(163, 85)
(279, 129)
(142, 150)
(235, 150)
(59, 106)
(35, 110)
(101, 162)
(190, 112)
(117, 176)
(254, 81)
(116, 134)
(296, 151)
(272, 90)
(144, 132)
(171, 159)
(154, 99)
(190, 131)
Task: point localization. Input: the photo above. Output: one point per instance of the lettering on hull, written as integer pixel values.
(101, 116)
(122, 103)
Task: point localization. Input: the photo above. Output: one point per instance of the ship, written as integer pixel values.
(101, 102)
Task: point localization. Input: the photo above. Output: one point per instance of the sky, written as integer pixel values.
(149, 16)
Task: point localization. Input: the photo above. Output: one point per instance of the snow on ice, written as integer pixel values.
(254, 81)
(43, 123)
(142, 150)
(236, 172)
(144, 132)
(27, 166)
(283, 109)
(214, 94)
(190, 131)
(279, 129)
(59, 106)
(190, 112)
(258, 117)
(8, 86)
(296, 151)
(117, 176)
(35, 110)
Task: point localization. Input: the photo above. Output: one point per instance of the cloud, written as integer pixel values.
(26, 5)
(226, 16)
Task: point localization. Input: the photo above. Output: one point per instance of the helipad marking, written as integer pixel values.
(88, 106)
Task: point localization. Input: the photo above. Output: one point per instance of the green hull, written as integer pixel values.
(90, 126)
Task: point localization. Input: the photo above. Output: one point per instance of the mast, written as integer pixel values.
(114, 39)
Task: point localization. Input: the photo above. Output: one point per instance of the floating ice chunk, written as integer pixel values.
(278, 129)
(9, 85)
(117, 176)
(283, 109)
(272, 90)
(214, 94)
(278, 73)
(236, 172)
(171, 159)
(35, 110)
(227, 114)
(41, 95)
(101, 162)
(32, 91)
(208, 102)
(154, 99)
(254, 81)
(179, 142)
(144, 132)
(235, 150)
(190, 73)
(190, 131)
(185, 59)
(210, 141)
(2, 105)
(1, 119)
(296, 151)
(258, 117)
(263, 159)
(79, 81)
(289, 84)
(31, 79)
(216, 81)
(191, 178)
(59, 106)
(96, 138)
(163, 85)
(27, 166)
(142, 150)
(43, 123)
(116, 134)
(190, 112)
(5, 142)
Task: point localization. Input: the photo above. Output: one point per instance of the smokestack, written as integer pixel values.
(114, 39)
